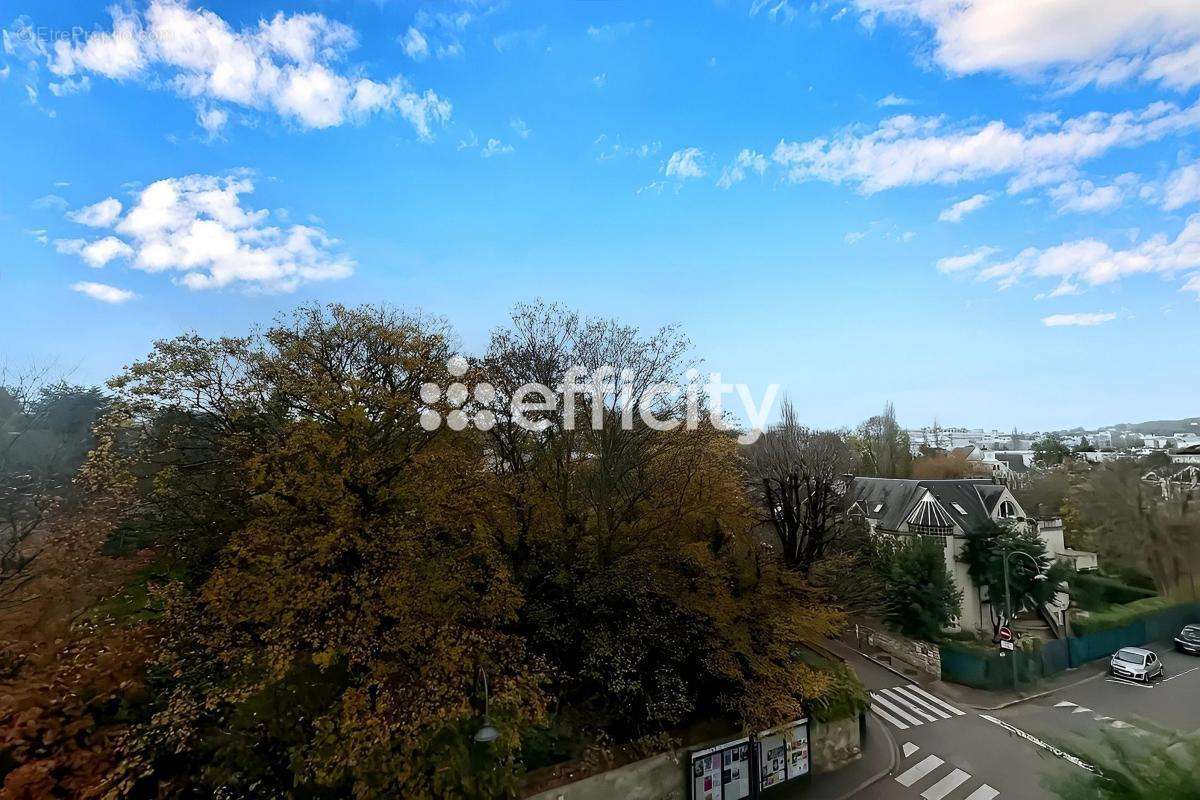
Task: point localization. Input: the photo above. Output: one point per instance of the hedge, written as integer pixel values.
(1095, 592)
(1120, 616)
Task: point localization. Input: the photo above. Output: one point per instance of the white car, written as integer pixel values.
(1136, 664)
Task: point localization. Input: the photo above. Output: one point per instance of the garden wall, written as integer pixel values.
(921, 655)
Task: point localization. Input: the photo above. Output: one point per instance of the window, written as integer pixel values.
(878, 507)
(1007, 510)
(959, 509)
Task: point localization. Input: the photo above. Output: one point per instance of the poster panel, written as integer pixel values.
(722, 772)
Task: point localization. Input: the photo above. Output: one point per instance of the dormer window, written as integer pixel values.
(878, 507)
(959, 509)
(1007, 510)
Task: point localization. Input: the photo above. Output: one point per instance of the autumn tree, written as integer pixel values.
(799, 476)
(884, 448)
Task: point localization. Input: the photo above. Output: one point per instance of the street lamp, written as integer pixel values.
(1041, 576)
(488, 733)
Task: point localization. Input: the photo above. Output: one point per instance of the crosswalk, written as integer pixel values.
(935, 783)
(905, 707)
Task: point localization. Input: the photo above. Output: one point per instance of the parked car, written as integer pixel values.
(1188, 640)
(1136, 664)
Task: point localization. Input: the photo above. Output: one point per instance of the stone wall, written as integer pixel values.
(920, 655)
(833, 745)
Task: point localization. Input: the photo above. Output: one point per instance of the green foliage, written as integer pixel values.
(1050, 451)
(1130, 771)
(1120, 616)
(984, 556)
(920, 598)
(846, 698)
(1093, 592)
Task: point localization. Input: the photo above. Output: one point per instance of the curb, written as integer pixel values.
(1019, 700)
(874, 779)
(882, 664)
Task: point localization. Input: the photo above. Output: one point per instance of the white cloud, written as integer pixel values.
(96, 254)
(1086, 197)
(1077, 320)
(779, 11)
(519, 127)
(618, 150)
(98, 215)
(212, 120)
(1192, 284)
(103, 292)
(50, 201)
(197, 226)
(4, 72)
(495, 147)
(1183, 187)
(736, 172)
(956, 212)
(600, 80)
(1095, 263)
(952, 264)
(289, 65)
(893, 100)
(653, 186)
(1074, 42)
(685, 164)
(415, 44)
(612, 31)
(854, 237)
(906, 150)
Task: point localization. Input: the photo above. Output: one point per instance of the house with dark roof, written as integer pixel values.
(948, 511)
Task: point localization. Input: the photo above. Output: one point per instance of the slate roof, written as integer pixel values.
(1015, 462)
(897, 498)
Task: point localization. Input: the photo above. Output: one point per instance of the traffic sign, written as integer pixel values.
(1005, 633)
(1006, 645)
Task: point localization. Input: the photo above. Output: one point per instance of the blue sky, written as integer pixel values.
(978, 211)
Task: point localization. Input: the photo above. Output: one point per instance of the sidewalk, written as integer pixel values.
(878, 760)
(983, 700)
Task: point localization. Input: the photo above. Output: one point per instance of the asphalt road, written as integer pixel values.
(949, 751)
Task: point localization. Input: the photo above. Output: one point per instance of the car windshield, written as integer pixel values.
(1131, 658)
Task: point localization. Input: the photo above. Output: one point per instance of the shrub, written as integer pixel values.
(1097, 593)
(920, 597)
(1120, 616)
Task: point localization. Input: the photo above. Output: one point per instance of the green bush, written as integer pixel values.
(1120, 616)
(1097, 593)
(846, 698)
(920, 598)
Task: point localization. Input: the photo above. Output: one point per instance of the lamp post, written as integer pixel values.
(488, 733)
(1041, 576)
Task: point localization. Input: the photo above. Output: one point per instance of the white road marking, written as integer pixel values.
(1049, 747)
(915, 774)
(946, 785)
(912, 699)
(909, 748)
(1080, 710)
(879, 712)
(936, 700)
(877, 699)
(909, 705)
(1130, 683)
(984, 792)
(1064, 704)
(1180, 675)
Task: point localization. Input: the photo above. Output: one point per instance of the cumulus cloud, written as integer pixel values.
(290, 65)
(415, 45)
(893, 100)
(1095, 263)
(736, 172)
(1086, 320)
(952, 264)
(685, 164)
(97, 215)
(1086, 197)
(956, 212)
(519, 127)
(1073, 42)
(103, 292)
(495, 147)
(198, 227)
(1183, 187)
(907, 150)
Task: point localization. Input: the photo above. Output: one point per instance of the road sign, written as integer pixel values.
(1006, 645)
(1005, 633)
